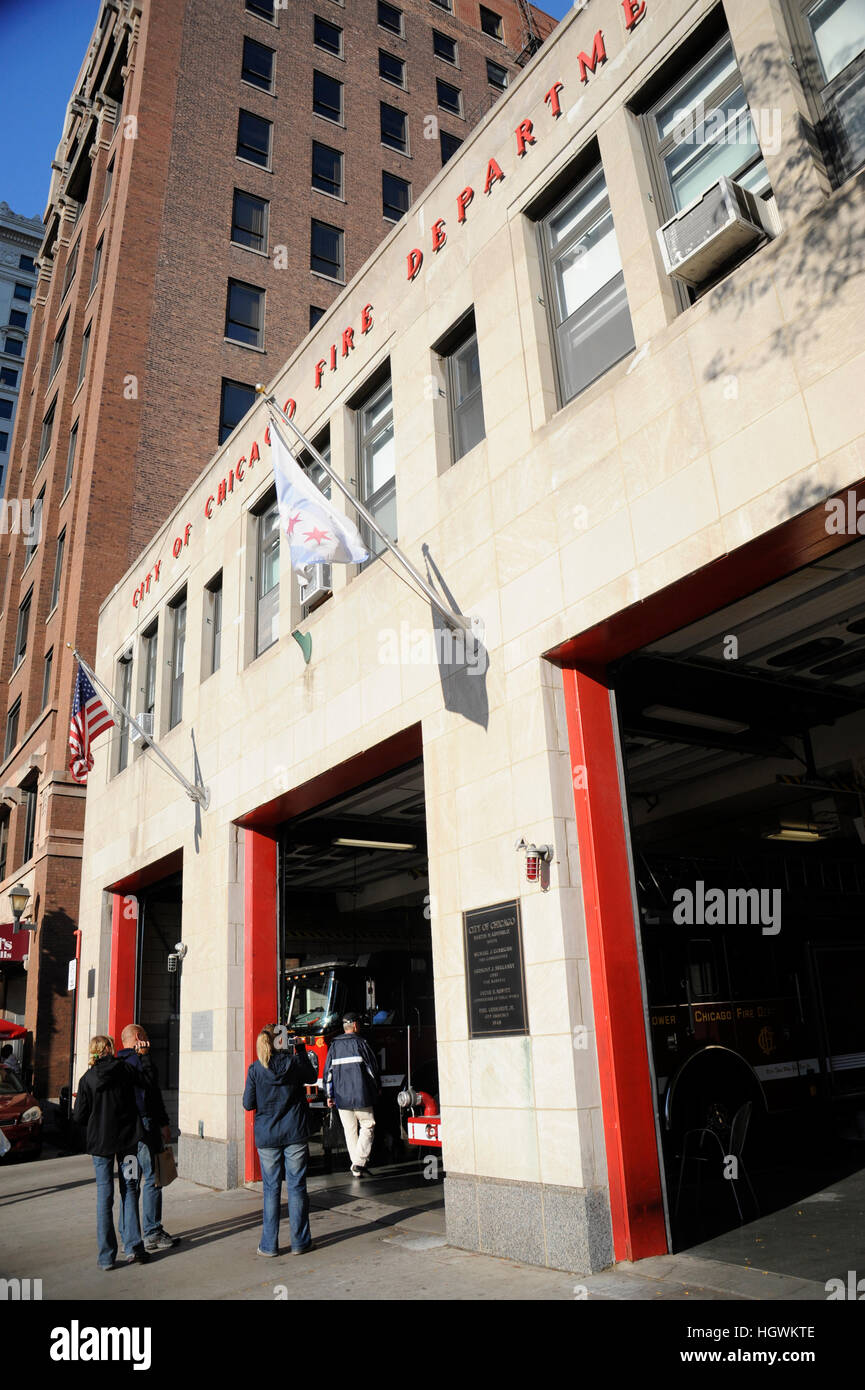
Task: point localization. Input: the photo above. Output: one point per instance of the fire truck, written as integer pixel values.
(392, 991)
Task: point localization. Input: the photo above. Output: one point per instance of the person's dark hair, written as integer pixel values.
(6, 1051)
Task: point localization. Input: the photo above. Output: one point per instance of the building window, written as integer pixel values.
(71, 267)
(389, 17)
(327, 36)
(249, 218)
(391, 68)
(267, 580)
(589, 306)
(26, 263)
(23, 626)
(31, 543)
(123, 686)
(326, 250)
(178, 654)
(377, 465)
(244, 314)
(109, 179)
(444, 5)
(70, 457)
(4, 441)
(257, 65)
(315, 313)
(263, 8)
(253, 139)
(97, 266)
(4, 842)
(14, 346)
(12, 719)
(444, 47)
(394, 128)
(449, 144)
(6, 408)
(832, 34)
(491, 23)
(395, 196)
(327, 97)
(46, 681)
(17, 319)
(212, 625)
(58, 569)
(701, 128)
(57, 354)
(465, 402)
(449, 98)
(327, 169)
(22, 292)
(8, 377)
(47, 431)
(150, 645)
(29, 821)
(85, 349)
(237, 399)
(497, 76)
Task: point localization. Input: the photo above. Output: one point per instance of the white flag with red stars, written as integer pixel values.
(317, 534)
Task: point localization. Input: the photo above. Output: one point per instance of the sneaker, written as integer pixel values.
(161, 1241)
(268, 1254)
(306, 1249)
(138, 1257)
(357, 1171)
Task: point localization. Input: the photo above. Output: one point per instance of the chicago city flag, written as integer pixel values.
(90, 718)
(317, 534)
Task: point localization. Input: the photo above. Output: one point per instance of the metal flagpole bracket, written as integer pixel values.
(456, 621)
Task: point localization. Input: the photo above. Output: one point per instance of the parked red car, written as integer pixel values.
(20, 1116)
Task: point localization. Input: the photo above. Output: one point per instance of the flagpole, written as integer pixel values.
(199, 794)
(454, 620)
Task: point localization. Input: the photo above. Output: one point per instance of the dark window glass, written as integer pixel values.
(46, 682)
(12, 727)
(13, 346)
(23, 626)
(31, 542)
(394, 128)
(497, 76)
(124, 695)
(267, 606)
(58, 568)
(835, 35)
(47, 431)
(491, 23)
(244, 314)
(109, 179)
(395, 196)
(70, 457)
(71, 267)
(8, 376)
(97, 265)
(444, 47)
(327, 169)
(178, 659)
(326, 250)
(264, 8)
(151, 646)
(590, 313)
(17, 319)
(444, 5)
(26, 263)
(257, 65)
(5, 410)
(237, 399)
(327, 36)
(22, 292)
(464, 394)
(213, 625)
(449, 98)
(326, 96)
(57, 353)
(389, 17)
(29, 821)
(253, 138)
(85, 349)
(315, 313)
(249, 221)
(392, 69)
(377, 465)
(4, 441)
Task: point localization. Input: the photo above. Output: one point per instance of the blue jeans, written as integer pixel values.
(130, 1230)
(151, 1195)
(290, 1163)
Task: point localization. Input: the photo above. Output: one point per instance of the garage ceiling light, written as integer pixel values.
(801, 834)
(373, 844)
(691, 717)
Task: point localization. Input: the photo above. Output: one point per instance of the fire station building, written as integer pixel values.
(600, 863)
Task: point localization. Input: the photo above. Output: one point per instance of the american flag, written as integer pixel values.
(90, 718)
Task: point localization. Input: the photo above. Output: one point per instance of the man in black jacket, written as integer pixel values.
(157, 1133)
(352, 1082)
(106, 1105)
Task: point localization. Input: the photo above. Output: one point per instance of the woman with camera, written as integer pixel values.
(275, 1091)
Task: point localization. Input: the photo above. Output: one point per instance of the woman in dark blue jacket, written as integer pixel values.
(275, 1091)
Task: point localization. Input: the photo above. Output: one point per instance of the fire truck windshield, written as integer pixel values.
(314, 1001)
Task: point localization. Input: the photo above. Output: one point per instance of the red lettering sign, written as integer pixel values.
(524, 136)
(366, 318)
(439, 235)
(494, 175)
(634, 11)
(319, 372)
(254, 453)
(552, 97)
(463, 200)
(598, 55)
(415, 261)
(347, 341)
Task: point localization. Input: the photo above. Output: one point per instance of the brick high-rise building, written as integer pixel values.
(224, 169)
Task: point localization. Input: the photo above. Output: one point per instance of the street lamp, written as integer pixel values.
(19, 897)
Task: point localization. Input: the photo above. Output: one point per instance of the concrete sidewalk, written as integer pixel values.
(379, 1239)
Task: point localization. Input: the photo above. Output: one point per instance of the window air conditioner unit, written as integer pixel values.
(146, 722)
(316, 584)
(724, 222)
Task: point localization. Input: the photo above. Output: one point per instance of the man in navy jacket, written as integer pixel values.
(352, 1082)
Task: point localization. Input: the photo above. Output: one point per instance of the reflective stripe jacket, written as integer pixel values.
(351, 1073)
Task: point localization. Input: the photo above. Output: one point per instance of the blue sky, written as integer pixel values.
(42, 43)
